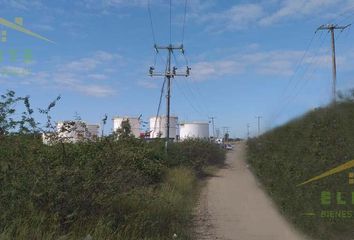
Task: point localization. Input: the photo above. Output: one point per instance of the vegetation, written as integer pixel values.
(112, 188)
(306, 147)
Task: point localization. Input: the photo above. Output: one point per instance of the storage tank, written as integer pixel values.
(194, 130)
(133, 121)
(158, 127)
(93, 130)
(72, 131)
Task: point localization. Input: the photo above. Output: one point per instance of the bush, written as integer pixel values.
(196, 154)
(300, 150)
(109, 188)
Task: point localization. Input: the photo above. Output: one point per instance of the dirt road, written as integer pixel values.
(234, 207)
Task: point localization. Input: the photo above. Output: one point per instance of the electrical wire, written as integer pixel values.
(184, 20)
(151, 22)
(293, 97)
(170, 21)
(159, 106)
(192, 93)
(298, 65)
(188, 100)
(342, 14)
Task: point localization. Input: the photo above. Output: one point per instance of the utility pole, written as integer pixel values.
(169, 74)
(259, 124)
(331, 28)
(217, 131)
(225, 131)
(212, 122)
(248, 130)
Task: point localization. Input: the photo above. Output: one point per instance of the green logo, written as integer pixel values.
(18, 26)
(16, 56)
(328, 198)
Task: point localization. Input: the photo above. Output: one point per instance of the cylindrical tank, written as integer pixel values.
(71, 131)
(158, 127)
(93, 130)
(194, 130)
(133, 121)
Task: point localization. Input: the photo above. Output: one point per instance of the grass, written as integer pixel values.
(125, 189)
(145, 213)
(115, 187)
(306, 147)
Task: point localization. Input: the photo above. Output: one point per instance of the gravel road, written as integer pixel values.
(234, 207)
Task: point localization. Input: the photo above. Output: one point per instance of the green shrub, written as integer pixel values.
(300, 150)
(116, 187)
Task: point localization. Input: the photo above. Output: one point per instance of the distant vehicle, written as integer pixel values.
(228, 147)
(219, 141)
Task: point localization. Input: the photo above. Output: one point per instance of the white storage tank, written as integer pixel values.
(158, 127)
(133, 121)
(194, 130)
(93, 130)
(71, 131)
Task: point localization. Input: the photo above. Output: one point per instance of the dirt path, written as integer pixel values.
(234, 207)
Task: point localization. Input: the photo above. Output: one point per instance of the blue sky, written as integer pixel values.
(245, 58)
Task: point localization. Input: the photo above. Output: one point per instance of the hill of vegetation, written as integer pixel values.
(303, 148)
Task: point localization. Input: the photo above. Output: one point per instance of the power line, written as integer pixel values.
(159, 106)
(184, 20)
(299, 64)
(190, 102)
(151, 22)
(213, 123)
(169, 73)
(300, 88)
(348, 10)
(200, 108)
(291, 97)
(170, 21)
(298, 67)
(259, 124)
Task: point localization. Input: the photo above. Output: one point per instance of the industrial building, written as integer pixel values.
(72, 132)
(158, 127)
(133, 121)
(198, 130)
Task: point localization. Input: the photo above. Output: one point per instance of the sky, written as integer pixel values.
(248, 58)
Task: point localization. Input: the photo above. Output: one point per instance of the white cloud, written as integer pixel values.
(87, 64)
(14, 71)
(24, 5)
(108, 4)
(204, 70)
(266, 13)
(236, 18)
(81, 75)
(291, 9)
(271, 63)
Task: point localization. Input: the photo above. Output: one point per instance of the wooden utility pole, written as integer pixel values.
(169, 74)
(213, 123)
(331, 28)
(259, 124)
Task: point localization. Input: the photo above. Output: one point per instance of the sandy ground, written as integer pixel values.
(233, 206)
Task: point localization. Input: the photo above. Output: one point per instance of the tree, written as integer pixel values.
(226, 137)
(125, 129)
(9, 120)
